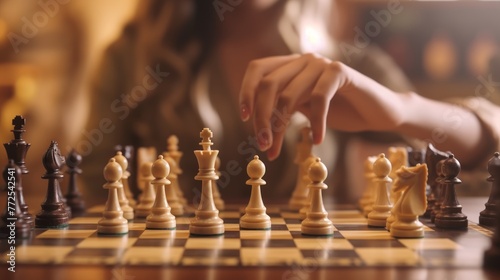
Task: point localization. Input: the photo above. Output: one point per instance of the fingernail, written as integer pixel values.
(264, 140)
(245, 113)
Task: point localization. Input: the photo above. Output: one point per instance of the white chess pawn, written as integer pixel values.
(128, 212)
(143, 209)
(255, 213)
(305, 178)
(382, 205)
(160, 217)
(172, 198)
(317, 222)
(113, 221)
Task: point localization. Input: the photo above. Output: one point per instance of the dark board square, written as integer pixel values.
(96, 252)
(211, 253)
(231, 221)
(274, 214)
(82, 226)
(298, 234)
(329, 253)
(359, 227)
(56, 241)
(293, 221)
(279, 227)
(182, 227)
(146, 242)
(269, 243)
(231, 234)
(382, 243)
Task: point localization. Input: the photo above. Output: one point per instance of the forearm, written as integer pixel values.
(448, 126)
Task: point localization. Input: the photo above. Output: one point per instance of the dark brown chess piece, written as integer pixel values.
(440, 190)
(53, 214)
(12, 222)
(16, 150)
(451, 216)
(73, 197)
(491, 257)
(488, 216)
(415, 156)
(432, 157)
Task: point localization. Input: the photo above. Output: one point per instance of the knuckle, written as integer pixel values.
(337, 67)
(267, 84)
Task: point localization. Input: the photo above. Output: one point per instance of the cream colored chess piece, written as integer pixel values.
(206, 220)
(173, 200)
(219, 202)
(307, 204)
(398, 156)
(173, 152)
(366, 201)
(113, 221)
(160, 217)
(128, 211)
(317, 222)
(300, 194)
(143, 209)
(255, 213)
(413, 202)
(382, 205)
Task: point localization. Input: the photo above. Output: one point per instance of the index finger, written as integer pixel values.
(256, 70)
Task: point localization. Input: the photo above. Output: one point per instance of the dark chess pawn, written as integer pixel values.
(415, 156)
(488, 216)
(451, 216)
(491, 257)
(53, 214)
(12, 222)
(440, 190)
(432, 157)
(16, 150)
(74, 198)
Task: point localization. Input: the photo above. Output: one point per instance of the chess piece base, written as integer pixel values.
(460, 222)
(142, 211)
(487, 219)
(128, 212)
(164, 221)
(378, 219)
(55, 219)
(255, 222)
(414, 229)
(214, 226)
(491, 258)
(317, 227)
(112, 228)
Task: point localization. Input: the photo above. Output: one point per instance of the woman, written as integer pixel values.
(183, 65)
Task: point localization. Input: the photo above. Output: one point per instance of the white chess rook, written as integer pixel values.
(206, 220)
(255, 213)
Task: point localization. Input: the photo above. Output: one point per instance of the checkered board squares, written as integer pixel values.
(353, 243)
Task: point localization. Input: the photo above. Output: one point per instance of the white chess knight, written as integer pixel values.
(412, 203)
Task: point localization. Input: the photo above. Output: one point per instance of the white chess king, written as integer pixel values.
(206, 220)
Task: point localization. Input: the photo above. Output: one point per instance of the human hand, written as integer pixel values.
(325, 91)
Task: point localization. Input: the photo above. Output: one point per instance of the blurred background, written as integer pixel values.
(48, 54)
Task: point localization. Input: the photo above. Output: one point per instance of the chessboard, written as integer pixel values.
(353, 244)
